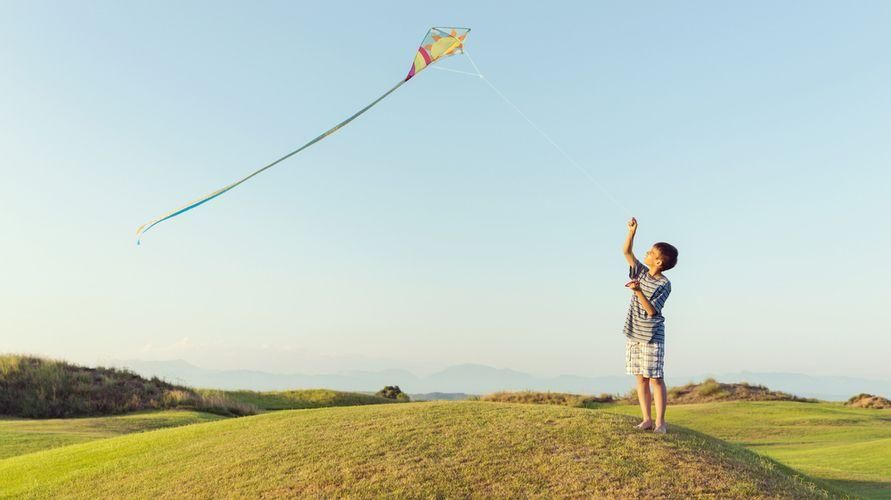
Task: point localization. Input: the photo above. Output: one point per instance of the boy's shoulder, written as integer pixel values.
(640, 271)
(662, 280)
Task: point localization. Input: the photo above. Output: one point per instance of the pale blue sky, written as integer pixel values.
(440, 228)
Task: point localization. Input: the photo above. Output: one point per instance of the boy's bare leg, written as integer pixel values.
(645, 399)
(661, 399)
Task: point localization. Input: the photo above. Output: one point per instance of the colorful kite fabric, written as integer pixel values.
(438, 44)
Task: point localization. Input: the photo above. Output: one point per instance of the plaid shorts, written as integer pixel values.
(644, 359)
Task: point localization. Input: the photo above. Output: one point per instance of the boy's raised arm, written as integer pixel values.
(629, 242)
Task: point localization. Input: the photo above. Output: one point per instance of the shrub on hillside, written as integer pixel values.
(393, 392)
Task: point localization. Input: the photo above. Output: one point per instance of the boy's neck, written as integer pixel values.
(655, 273)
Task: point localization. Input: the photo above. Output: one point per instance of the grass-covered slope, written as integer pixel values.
(19, 436)
(710, 390)
(300, 399)
(848, 447)
(414, 449)
(863, 400)
(707, 391)
(548, 398)
(35, 387)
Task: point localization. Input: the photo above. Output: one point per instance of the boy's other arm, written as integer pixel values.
(644, 301)
(629, 242)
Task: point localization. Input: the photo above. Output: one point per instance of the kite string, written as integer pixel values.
(455, 71)
(516, 108)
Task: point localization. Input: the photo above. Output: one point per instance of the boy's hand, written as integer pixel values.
(634, 285)
(632, 225)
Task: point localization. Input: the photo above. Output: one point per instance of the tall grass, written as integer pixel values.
(712, 390)
(549, 398)
(707, 391)
(35, 387)
(299, 398)
(864, 400)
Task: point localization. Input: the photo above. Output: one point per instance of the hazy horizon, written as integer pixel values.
(440, 228)
(358, 363)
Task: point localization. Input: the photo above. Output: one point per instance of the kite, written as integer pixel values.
(438, 44)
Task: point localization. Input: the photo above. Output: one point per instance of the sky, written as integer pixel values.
(441, 227)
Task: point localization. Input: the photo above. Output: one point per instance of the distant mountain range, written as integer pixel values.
(481, 379)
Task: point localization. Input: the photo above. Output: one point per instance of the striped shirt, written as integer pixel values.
(638, 325)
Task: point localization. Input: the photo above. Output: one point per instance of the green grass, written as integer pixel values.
(414, 449)
(299, 399)
(849, 448)
(19, 436)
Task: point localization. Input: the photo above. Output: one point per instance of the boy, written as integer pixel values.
(645, 325)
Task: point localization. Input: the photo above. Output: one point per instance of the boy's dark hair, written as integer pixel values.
(669, 254)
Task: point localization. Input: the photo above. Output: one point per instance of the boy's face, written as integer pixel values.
(653, 258)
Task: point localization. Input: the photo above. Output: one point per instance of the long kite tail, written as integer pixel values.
(204, 199)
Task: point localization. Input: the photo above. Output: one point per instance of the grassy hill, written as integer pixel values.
(844, 446)
(710, 390)
(301, 398)
(36, 387)
(412, 449)
(869, 401)
(547, 398)
(19, 436)
(849, 448)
